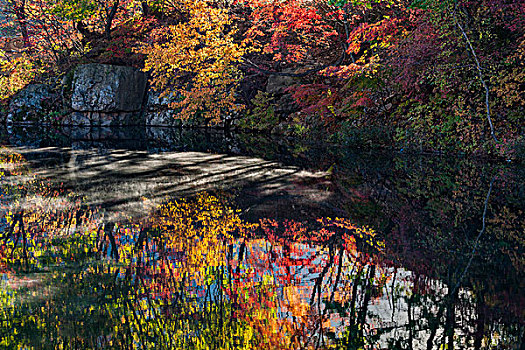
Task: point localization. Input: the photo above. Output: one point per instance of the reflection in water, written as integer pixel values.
(354, 257)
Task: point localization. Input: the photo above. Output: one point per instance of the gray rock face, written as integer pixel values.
(31, 98)
(106, 88)
(103, 119)
(157, 103)
(77, 118)
(33, 104)
(159, 110)
(278, 83)
(162, 118)
(284, 102)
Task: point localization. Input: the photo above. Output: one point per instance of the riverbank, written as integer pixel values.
(76, 105)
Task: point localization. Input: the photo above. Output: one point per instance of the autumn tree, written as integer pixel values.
(335, 47)
(54, 33)
(18, 9)
(448, 64)
(196, 59)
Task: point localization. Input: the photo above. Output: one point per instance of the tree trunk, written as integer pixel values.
(19, 10)
(145, 9)
(109, 20)
(479, 70)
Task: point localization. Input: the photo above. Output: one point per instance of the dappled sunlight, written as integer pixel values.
(118, 180)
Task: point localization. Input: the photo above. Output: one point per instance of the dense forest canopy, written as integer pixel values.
(439, 75)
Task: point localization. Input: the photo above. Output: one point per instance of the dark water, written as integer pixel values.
(168, 238)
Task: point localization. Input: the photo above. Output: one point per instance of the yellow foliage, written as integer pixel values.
(200, 229)
(9, 157)
(15, 74)
(197, 59)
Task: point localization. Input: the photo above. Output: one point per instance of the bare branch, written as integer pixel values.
(480, 71)
(252, 65)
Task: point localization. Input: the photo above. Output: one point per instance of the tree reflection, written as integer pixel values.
(43, 224)
(194, 274)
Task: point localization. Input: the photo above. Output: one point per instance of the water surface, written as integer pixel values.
(193, 239)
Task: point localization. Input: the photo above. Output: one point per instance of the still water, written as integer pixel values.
(181, 239)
